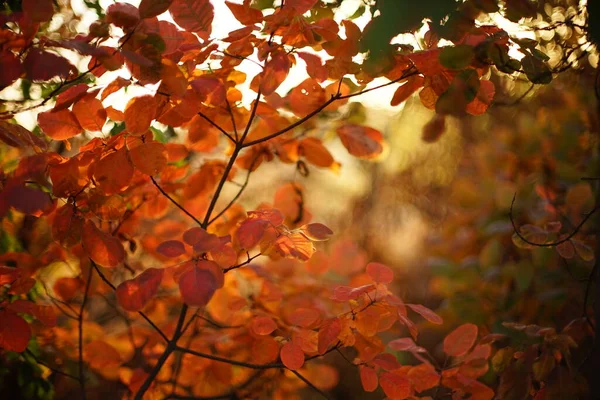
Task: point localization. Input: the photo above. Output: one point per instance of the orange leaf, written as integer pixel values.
(244, 13)
(345, 293)
(405, 344)
(328, 334)
(210, 90)
(426, 313)
(101, 247)
(66, 288)
(304, 317)
(315, 153)
(15, 332)
(139, 113)
(198, 283)
(133, 294)
(101, 355)
(265, 349)
(395, 386)
(316, 232)
(263, 326)
(458, 342)
(292, 356)
(171, 248)
(59, 125)
(193, 15)
(149, 158)
(404, 91)
(275, 72)
(113, 172)
(361, 141)
(90, 113)
(423, 377)
(301, 6)
(380, 273)
(368, 378)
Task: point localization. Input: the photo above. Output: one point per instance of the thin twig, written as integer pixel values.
(189, 214)
(550, 244)
(80, 331)
(142, 314)
(248, 261)
(310, 384)
(53, 369)
(213, 123)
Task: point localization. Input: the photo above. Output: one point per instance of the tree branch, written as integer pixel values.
(189, 214)
(80, 330)
(310, 384)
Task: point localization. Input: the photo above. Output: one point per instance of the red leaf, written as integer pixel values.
(314, 66)
(114, 86)
(483, 98)
(316, 232)
(42, 65)
(328, 334)
(139, 113)
(67, 98)
(133, 294)
(27, 199)
(90, 113)
(11, 68)
(292, 356)
(250, 232)
(405, 344)
(263, 326)
(193, 15)
(152, 8)
(275, 72)
(15, 332)
(122, 15)
(211, 90)
(380, 273)
(458, 342)
(113, 173)
(304, 317)
(198, 283)
(201, 240)
(16, 136)
(38, 10)
(395, 386)
(368, 378)
(345, 293)
(426, 313)
(59, 125)
(171, 248)
(101, 247)
(361, 141)
(44, 314)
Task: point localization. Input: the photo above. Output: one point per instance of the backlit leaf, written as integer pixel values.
(458, 342)
(139, 113)
(90, 113)
(133, 294)
(263, 326)
(292, 356)
(193, 15)
(101, 247)
(152, 8)
(328, 334)
(171, 248)
(404, 91)
(361, 141)
(368, 378)
(395, 386)
(14, 332)
(149, 158)
(198, 284)
(275, 72)
(59, 125)
(380, 273)
(316, 231)
(426, 313)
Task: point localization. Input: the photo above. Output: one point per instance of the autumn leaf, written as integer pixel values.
(90, 113)
(101, 247)
(134, 294)
(426, 313)
(139, 113)
(380, 273)
(368, 378)
(149, 158)
(152, 8)
(292, 356)
(59, 125)
(361, 141)
(395, 386)
(198, 284)
(14, 332)
(316, 232)
(275, 72)
(328, 334)
(263, 326)
(193, 15)
(171, 248)
(458, 342)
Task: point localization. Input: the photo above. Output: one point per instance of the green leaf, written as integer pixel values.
(457, 57)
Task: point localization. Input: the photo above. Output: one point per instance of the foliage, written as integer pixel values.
(123, 260)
